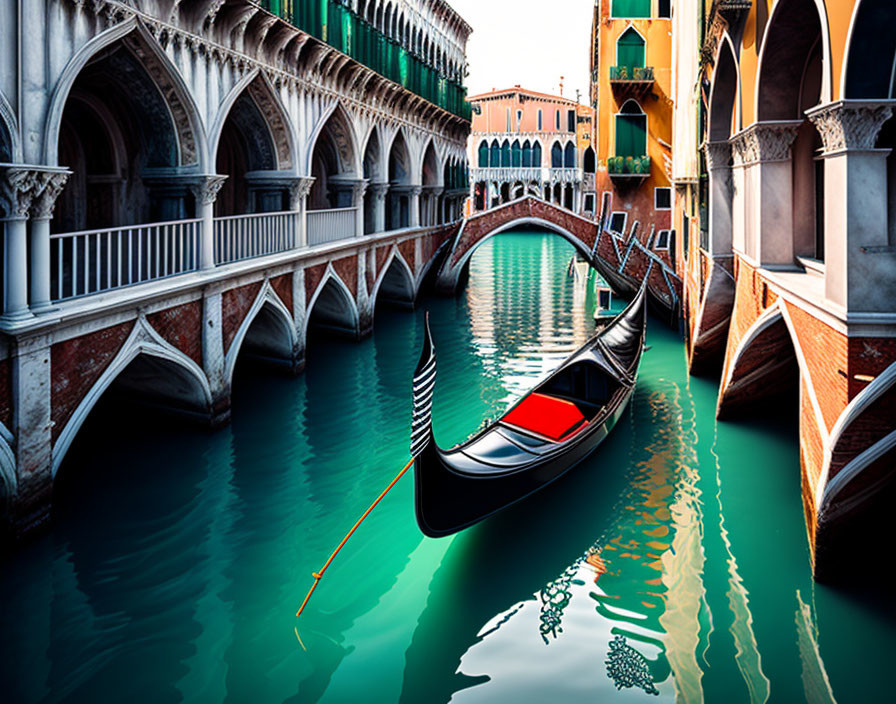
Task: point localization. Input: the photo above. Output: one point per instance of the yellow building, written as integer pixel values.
(631, 91)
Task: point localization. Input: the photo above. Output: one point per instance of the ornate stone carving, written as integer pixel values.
(45, 201)
(718, 155)
(764, 142)
(18, 187)
(265, 102)
(299, 188)
(379, 190)
(205, 190)
(849, 124)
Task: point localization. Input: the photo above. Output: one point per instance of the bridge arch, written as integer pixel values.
(395, 284)
(332, 308)
(268, 332)
(170, 375)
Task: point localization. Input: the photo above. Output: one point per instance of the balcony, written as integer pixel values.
(343, 29)
(631, 81)
(628, 170)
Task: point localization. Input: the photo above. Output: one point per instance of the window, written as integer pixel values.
(570, 120)
(483, 155)
(685, 232)
(495, 155)
(519, 119)
(664, 8)
(617, 222)
(539, 120)
(589, 161)
(662, 240)
(631, 130)
(556, 156)
(505, 154)
(556, 119)
(516, 154)
(508, 121)
(630, 51)
(569, 156)
(589, 202)
(536, 154)
(630, 8)
(527, 154)
(662, 198)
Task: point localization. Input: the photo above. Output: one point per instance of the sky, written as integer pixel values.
(528, 42)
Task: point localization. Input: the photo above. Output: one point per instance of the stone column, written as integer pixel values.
(205, 190)
(213, 356)
(379, 191)
(359, 188)
(299, 189)
(718, 163)
(432, 199)
(54, 181)
(414, 205)
(764, 151)
(18, 187)
(855, 204)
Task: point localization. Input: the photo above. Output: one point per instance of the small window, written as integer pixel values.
(539, 120)
(519, 119)
(557, 119)
(662, 240)
(617, 222)
(662, 198)
(508, 121)
(664, 8)
(589, 202)
(570, 120)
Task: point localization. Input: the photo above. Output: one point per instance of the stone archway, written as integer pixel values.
(332, 310)
(395, 287)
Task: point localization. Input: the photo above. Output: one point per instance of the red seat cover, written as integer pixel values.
(546, 415)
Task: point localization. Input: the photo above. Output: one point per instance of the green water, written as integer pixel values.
(178, 558)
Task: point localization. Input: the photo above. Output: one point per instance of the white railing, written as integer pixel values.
(91, 261)
(331, 225)
(246, 236)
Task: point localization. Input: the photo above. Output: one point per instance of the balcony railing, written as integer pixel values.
(637, 74)
(331, 225)
(245, 236)
(628, 165)
(91, 261)
(345, 30)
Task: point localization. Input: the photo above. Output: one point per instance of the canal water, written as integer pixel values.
(672, 565)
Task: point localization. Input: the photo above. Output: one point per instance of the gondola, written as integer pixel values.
(543, 435)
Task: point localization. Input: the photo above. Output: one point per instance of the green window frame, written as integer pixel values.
(630, 8)
(631, 134)
(630, 50)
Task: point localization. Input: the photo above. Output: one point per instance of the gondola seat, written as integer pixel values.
(549, 416)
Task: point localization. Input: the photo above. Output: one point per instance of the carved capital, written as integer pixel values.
(718, 155)
(764, 142)
(45, 201)
(23, 186)
(379, 190)
(299, 188)
(206, 188)
(415, 191)
(850, 124)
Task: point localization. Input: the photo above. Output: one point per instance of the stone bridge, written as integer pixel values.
(622, 259)
(176, 342)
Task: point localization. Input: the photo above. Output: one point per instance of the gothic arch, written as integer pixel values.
(281, 339)
(405, 286)
(257, 87)
(724, 97)
(787, 44)
(10, 148)
(192, 149)
(337, 120)
(340, 295)
(143, 341)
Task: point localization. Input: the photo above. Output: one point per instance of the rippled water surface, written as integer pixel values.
(673, 563)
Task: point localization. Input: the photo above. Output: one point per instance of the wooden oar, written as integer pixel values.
(317, 575)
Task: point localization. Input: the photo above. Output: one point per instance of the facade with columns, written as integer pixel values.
(789, 248)
(528, 143)
(183, 180)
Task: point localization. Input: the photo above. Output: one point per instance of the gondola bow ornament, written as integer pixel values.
(424, 385)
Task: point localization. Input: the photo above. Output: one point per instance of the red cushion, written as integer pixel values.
(546, 415)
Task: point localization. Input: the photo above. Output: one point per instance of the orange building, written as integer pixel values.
(525, 142)
(631, 91)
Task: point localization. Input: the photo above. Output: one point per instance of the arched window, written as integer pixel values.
(516, 155)
(630, 51)
(556, 156)
(536, 154)
(569, 156)
(589, 161)
(505, 154)
(483, 155)
(631, 130)
(495, 155)
(527, 154)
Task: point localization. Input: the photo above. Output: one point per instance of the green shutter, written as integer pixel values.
(631, 8)
(631, 135)
(630, 51)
